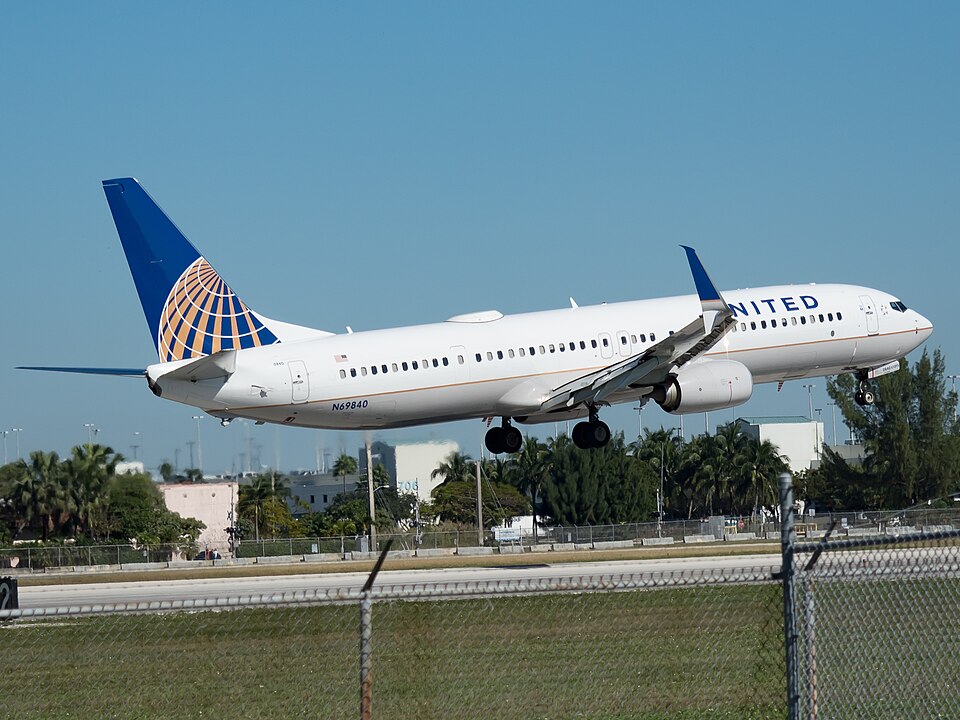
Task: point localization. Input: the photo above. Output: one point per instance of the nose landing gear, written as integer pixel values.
(864, 395)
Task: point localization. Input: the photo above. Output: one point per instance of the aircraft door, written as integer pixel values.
(870, 312)
(299, 381)
(624, 345)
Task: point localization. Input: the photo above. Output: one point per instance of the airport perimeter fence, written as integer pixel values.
(678, 645)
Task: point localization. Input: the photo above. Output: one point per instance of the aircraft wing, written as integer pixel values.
(653, 365)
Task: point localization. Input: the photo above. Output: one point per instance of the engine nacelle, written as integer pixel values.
(705, 385)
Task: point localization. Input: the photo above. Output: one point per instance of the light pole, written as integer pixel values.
(5, 433)
(833, 410)
(91, 428)
(819, 412)
(198, 418)
(135, 446)
(640, 422)
(810, 399)
(17, 431)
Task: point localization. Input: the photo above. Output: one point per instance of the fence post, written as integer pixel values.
(366, 657)
(787, 539)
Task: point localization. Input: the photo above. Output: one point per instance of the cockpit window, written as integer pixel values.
(898, 306)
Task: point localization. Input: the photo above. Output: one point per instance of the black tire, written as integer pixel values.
(581, 435)
(512, 440)
(599, 434)
(868, 398)
(494, 440)
(859, 399)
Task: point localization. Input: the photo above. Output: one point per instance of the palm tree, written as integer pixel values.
(345, 465)
(531, 466)
(88, 473)
(37, 494)
(760, 466)
(458, 467)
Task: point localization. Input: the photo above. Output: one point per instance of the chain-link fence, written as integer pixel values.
(878, 627)
(637, 646)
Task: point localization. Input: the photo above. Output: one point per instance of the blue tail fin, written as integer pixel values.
(190, 310)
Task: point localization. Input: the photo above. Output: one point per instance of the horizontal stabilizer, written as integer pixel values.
(219, 365)
(122, 372)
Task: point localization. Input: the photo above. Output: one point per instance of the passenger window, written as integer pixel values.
(363, 371)
(813, 319)
(583, 345)
(793, 319)
(426, 364)
(839, 316)
(405, 367)
(511, 354)
(499, 354)
(803, 319)
(552, 348)
(478, 357)
(821, 318)
(606, 343)
(623, 339)
(533, 350)
(343, 374)
(753, 326)
(393, 366)
(373, 369)
(830, 317)
(384, 368)
(460, 359)
(743, 326)
(353, 372)
(562, 347)
(489, 355)
(414, 365)
(593, 344)
(633, 339)
(446, 363)
(435, 363)
(763, 324)
(653, 338)
(542, 350)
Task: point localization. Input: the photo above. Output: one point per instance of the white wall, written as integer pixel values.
(211, 503)
(415, 463)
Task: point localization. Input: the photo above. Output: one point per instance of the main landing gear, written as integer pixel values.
(592, 433)
(864, 394)
(503, 439)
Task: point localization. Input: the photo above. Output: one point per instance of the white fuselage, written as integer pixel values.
(489, 365)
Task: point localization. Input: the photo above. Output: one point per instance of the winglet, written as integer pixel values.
(710, 298)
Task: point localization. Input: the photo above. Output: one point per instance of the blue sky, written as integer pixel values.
(380, 164)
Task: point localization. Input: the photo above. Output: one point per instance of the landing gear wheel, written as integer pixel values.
(864, 395)
(868, 397)
(494, 440)
(511, 439)
(593, 434)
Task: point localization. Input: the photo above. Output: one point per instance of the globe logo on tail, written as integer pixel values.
(202, 315)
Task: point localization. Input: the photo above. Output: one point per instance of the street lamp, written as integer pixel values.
(91, 429)
(17, 431)
(198, 418)
(5, 433)
(833, 410)
(810, 398)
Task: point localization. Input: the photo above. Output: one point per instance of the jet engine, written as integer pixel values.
(705, 385)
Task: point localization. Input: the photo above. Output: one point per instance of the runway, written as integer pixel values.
(59, 596)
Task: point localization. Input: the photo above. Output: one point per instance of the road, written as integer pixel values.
(74, 595)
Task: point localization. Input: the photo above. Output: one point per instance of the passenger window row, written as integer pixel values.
(384, 368)
(812, 319)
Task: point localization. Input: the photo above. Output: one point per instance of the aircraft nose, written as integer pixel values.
(924, 327)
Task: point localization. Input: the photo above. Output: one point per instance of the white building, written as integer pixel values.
(213, 504)
(410, 465)
(798, 439)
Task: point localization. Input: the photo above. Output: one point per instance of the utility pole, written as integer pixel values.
(373, 512)
(810, 399)
(833, 409)
(479, 509)
(198, 418)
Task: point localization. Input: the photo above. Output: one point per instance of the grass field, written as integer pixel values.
(665, 653)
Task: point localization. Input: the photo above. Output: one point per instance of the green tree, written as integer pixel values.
(262, 503)
(137, 511)
(458, 467)
(345, 465)
(87, 473)
(37, 495)
(456, 501)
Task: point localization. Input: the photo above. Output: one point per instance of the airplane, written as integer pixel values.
(688, 354)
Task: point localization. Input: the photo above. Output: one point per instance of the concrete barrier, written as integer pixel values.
(739, 537)
(360, 556)
(863, 532)
(322, 557)
(279, 559)
(512, 549)
(401, 554)
(898, 530)
(657, 541)
(436, 552)
(937, 528)
(612, 544)
(475, 551)
(540, 548)
(184, 564)
(690, 539)
(563, 547)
